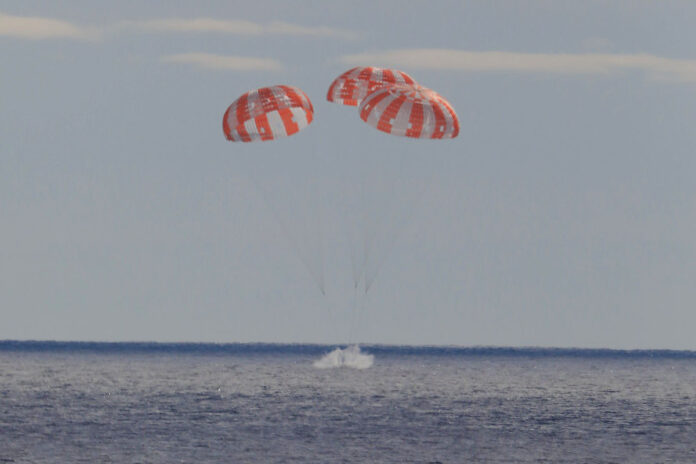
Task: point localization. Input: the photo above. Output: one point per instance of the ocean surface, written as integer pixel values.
(256, 403)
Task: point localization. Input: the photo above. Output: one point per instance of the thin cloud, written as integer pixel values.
(37, 28)
(549, 63)
(234, 27)
(281, 28)
(235, 63)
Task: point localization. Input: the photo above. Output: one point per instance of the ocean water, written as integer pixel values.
(190, 403)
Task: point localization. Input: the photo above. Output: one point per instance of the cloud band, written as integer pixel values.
(560, 63)
(212, 61)
(36, 28)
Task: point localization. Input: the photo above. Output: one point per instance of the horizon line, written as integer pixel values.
(310, 348)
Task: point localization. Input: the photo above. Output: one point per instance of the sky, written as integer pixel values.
(564, 214)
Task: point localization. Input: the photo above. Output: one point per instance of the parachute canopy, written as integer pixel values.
(267, 113)
(353, 85)
(410, 110)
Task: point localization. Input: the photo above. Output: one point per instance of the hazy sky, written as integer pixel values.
(563, 215)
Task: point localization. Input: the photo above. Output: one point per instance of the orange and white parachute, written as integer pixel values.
(267, 113)
(355, 84)
(410, 110)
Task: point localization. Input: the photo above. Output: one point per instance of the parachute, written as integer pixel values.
(270, 113)
(410, 110)
(267, 113)
(377, 200)
(393, 102)
(355, 84)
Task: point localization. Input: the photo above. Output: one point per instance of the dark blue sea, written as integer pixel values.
(257, 403)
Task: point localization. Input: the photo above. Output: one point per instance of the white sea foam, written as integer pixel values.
(348, 357)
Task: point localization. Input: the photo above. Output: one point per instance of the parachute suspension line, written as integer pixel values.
(398, 230)
(376, 223)
(353, 317)
(365, 233)
(353, 259)
(327, 307)
(315, 231)
(355, 220)
(401, 200)
(379, 94)
(370, 230)
(289, 236)
(320, 227)
(318, 211)
(369, 223)
(401, 211)
(350, 237)
(265, 114)
(361, 302)
(359, 309)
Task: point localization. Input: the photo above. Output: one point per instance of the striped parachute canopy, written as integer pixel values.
(267, 113)
(410, 110)
(355, 84)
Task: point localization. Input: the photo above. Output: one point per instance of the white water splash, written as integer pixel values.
(348, 357)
